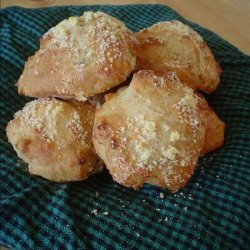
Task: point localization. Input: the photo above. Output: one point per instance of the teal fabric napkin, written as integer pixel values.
(211, 212)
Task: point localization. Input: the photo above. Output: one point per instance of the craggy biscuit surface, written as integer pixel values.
(55, 138)
(80, 57)
(174, 46)
(215, 131)
(151, 132)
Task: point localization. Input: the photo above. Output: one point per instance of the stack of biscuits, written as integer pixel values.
(130, 100)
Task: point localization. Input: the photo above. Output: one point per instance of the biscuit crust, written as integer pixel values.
(176, 47)
(151, 132)
(215, 131)
(55, 138)
(80, 57)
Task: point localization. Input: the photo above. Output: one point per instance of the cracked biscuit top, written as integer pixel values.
(80, 57)
(151, 132)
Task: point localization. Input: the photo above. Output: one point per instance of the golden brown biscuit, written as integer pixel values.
(215, 130)
(80, 57)
(55, 138)
(151, 132)
(174, 46)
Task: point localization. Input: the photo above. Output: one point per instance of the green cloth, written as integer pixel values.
(211, 212)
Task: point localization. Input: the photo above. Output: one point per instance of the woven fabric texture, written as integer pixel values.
(211, 212)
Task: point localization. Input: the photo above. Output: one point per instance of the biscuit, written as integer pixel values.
(151, 132)
(214, 127)
(55, 139)
(80, 57)
(215, 131)
(175, 47)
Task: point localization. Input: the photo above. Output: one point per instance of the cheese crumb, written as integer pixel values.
(80, 97)
(95, 212)
(166, 128)
(174, 136)
(144, 152)
(149, 130)
(170, 152)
